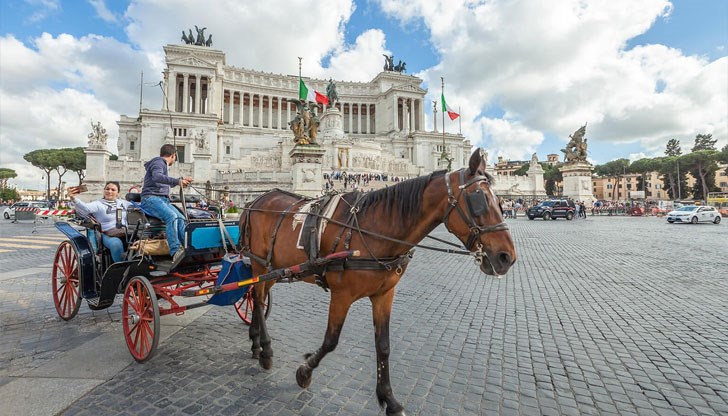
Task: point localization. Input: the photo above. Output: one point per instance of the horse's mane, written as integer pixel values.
(403, 198)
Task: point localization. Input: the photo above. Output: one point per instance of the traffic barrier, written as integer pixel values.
(49, 212)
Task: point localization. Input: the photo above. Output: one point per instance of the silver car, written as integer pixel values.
(694, 214)
(10, 211)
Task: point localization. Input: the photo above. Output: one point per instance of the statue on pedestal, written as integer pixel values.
(98, 136)
(331, 93)
(305, 125)
(576, 149)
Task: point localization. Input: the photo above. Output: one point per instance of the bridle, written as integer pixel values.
(477, 204)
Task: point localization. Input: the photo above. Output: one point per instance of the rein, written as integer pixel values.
(475, 230)
(372, 233)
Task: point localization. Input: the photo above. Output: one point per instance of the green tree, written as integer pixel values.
(74, 159)
(45, 160)
(704, 142)
(8, 194)
(723, 157)
(5, 175)
(552, 175)
(673, 183)
(674, 180)
(522, 171)
(614, 169)
(673, 148)
(703, 167)
(643, 167)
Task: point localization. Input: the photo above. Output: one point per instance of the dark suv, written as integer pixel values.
(552, 209)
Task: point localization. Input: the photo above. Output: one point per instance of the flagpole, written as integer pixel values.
(460, 120)
(443, 115)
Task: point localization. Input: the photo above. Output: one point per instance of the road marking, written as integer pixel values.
(5, 251)
(29, 240)
(37, 246)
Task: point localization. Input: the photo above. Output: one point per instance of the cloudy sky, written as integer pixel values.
(525, 73)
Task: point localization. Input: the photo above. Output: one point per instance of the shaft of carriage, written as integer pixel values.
(292, 272)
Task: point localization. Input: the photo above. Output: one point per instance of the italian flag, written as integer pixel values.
(304, 93)
(446, 108)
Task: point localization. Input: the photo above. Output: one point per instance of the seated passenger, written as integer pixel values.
(104, 210)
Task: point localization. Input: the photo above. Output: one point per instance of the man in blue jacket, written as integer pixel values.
(155, 199)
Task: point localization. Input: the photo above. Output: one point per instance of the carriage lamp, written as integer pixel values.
(118, 218)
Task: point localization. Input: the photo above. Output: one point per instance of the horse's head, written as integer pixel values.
(478, 220)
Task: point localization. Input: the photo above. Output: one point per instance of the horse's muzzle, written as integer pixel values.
(498, 264)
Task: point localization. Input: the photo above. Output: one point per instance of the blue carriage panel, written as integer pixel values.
(205, 236)
(86, 259)
(235, 268)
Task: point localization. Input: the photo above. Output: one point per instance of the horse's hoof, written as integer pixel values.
(256, 354)
(266, 362)
(303, 376)
(399, 412)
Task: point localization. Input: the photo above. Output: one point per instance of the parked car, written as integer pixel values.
(9, 212)
(552, 209)
(694, 214)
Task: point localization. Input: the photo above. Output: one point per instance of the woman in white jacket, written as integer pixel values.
(104, 211)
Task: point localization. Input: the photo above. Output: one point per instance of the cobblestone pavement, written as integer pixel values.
(603, 316)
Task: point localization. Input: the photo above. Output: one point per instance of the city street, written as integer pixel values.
(603, 316)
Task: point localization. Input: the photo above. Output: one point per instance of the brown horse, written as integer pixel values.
(383, 225)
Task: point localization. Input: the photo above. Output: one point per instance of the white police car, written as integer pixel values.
(694, 214)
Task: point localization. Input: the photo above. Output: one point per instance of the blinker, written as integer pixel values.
(477, 204)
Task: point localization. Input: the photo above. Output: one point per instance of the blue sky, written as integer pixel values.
(525, 74)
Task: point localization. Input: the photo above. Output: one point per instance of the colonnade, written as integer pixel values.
(189, 93)
(194, 93)
(274, 112)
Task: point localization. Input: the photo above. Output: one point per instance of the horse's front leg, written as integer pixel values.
(338, 308)
(266, 352)
(381, 310)
(254, 329)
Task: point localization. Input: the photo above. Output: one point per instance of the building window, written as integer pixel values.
(609, 186)
(180, 132)
(131, 145)
(181, 154)
(227, 150)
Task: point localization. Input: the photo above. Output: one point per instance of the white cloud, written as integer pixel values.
(267, 36)
(43, 9)
(552, 66)
(103, 11)
(46, 118)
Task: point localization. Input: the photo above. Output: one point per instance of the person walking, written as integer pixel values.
(155, 199)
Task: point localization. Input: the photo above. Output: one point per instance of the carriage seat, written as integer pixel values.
(136, 216)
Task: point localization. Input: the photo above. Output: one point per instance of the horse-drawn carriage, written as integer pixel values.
(83, 268)
(288, 236)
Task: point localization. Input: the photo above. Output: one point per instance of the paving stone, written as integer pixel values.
(599, 323)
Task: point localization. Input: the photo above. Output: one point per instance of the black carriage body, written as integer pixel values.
(100, 286)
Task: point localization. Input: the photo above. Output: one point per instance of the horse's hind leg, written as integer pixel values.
(338, 308)
(381, 310)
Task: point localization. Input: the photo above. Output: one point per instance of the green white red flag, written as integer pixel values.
(304, 93)
(446, 109)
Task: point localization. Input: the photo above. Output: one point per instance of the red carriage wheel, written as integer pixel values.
(65, 281)
(140, 317)
(244, 307)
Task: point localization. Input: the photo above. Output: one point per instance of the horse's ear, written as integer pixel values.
(476, 162)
